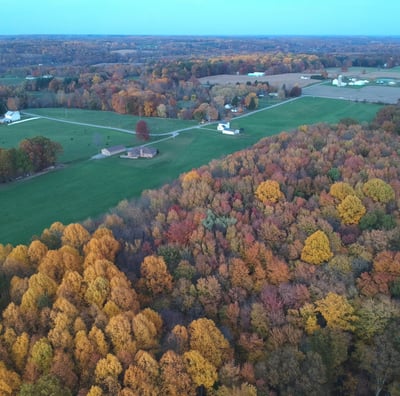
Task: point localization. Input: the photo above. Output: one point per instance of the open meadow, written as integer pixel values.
(86, 188)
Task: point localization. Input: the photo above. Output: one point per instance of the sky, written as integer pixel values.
(203, 17)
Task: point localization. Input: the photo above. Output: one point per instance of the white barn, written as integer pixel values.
(109, 151)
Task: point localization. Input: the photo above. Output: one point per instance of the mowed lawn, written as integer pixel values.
(87, 188)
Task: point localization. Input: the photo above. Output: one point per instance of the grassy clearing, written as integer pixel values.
(11, 80)
(86, 188)
(306, 110)
(82, 142)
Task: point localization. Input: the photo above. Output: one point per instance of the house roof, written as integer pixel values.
(115, 149)
(11, 113)
(138, 151)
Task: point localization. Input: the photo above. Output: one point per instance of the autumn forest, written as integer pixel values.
(272, 271)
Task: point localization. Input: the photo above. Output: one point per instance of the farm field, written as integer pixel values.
(87, 188)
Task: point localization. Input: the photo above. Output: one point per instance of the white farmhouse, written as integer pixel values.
(223, 125)
(11, 116)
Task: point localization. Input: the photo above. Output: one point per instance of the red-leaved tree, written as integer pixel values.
(142, 130)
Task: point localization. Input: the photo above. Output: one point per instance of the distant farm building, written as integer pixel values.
(338, 82)
(223, 125)
(109, 151)
(358, 83)
(141, 152)
(256, 74)
(225, 128)
(10, 116)
(387, 81)
(230, 131)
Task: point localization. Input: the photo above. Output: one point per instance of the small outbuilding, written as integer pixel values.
(230, 131)
(109, 151)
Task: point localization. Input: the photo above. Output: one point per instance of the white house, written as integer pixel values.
(223, 125)
(109, 151)
(11, 116)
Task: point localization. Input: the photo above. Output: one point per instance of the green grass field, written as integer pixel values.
(87, 188)
(11, 80)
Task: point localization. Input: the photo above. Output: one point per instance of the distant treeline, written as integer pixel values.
(157, 77)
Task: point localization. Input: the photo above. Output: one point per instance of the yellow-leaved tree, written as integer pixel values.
(269, 191)
(201, 371)
(156, 276)
(108, 367)
(378, 190)
(316, 248)
(337, 311)
(341, 190)
(142, 377)
(174, 378)
(206, 338)
(351, 210)
(19, 351)
(9, 381)
(75, 235)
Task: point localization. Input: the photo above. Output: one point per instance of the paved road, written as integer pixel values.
(171, 134)
(79, 123)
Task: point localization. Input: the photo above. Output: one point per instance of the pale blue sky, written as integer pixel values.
(203, 17)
